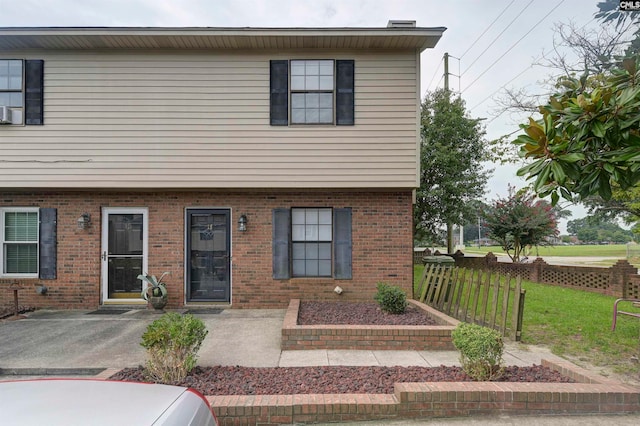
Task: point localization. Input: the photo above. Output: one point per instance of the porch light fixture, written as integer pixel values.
(242, 223)
(84, 221)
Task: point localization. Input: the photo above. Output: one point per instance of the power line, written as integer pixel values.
(519, 74)
(434, 75)
(498, 36)
(487, 29)
(513, 45)
(503, 86)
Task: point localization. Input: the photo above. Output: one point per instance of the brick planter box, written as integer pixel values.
(368, 337)
(591, 395)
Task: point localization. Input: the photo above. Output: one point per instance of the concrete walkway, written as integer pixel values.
(55, 341)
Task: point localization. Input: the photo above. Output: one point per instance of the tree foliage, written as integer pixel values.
(521, 221)
(588, 137)
(624, 204)
(610, 13)
(598, 230)
(451, 176)
(576, 50)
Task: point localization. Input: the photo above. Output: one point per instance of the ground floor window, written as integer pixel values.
(312, 242)
(311, 231)
(19, 236)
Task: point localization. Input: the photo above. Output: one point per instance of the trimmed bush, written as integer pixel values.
(391, 299)
(172, 344)
(480, 349)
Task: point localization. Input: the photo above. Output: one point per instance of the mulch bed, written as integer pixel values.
(330, 380)
(234, 380)
(345, 313)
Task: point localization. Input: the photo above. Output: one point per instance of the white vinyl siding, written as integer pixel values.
(188, 120)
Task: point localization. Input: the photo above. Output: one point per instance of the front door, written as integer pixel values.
(208, 255)
(124, 252)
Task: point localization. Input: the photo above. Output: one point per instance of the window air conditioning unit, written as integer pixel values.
(5, 115)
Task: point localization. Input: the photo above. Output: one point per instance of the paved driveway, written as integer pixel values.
(78, 339)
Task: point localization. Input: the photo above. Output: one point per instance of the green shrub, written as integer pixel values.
(480, 349)
(391, 299)
(172, 344)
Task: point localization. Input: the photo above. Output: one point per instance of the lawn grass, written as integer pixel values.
(614, 250)
(577, 324)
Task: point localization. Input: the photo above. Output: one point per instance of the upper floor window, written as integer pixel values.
(314, 91)
(21, 91)
(11, 83)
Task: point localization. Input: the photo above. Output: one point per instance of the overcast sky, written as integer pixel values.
(496, 40)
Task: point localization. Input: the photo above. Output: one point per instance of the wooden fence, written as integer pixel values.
(481, 297)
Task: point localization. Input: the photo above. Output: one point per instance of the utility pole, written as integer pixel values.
(446, 87)
(446, 70)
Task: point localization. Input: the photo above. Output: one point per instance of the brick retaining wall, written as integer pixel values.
(591, 395)
(368, 337)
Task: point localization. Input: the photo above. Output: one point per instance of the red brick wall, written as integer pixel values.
(382, 244)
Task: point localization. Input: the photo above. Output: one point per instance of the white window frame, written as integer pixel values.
(4, 210)
(307, 240)
(106, 211)
(16, 110)
(306, 91)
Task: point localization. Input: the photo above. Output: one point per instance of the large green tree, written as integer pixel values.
(598, 229)
(521, 221)
(588, 136)
(451, 175)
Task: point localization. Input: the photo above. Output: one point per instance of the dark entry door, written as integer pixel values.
(208, 255)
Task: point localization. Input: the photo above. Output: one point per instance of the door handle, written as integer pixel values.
(104, 255)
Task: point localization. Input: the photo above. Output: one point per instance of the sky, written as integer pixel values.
(492, 43)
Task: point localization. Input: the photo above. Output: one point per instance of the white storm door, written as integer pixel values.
(124, 252)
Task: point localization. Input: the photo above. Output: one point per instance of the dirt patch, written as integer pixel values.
(331, 380)
(7, 312)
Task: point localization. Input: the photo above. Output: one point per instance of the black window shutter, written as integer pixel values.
(279, 93)
(345, 82)
(48, 243)
(281, 238)
(34, 87)
(342, 245)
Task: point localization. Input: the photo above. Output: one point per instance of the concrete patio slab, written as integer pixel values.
(351, 357)
(438, 358)
(401, 358)
(303, 358)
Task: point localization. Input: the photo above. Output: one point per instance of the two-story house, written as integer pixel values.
(255, 165)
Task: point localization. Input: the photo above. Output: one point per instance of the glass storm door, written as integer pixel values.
(124, 252)
(208, 255)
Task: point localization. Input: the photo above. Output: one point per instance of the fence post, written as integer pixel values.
(619, 277)
(490, 261)
(537, 267)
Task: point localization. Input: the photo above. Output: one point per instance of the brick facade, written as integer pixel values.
(381, 227)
